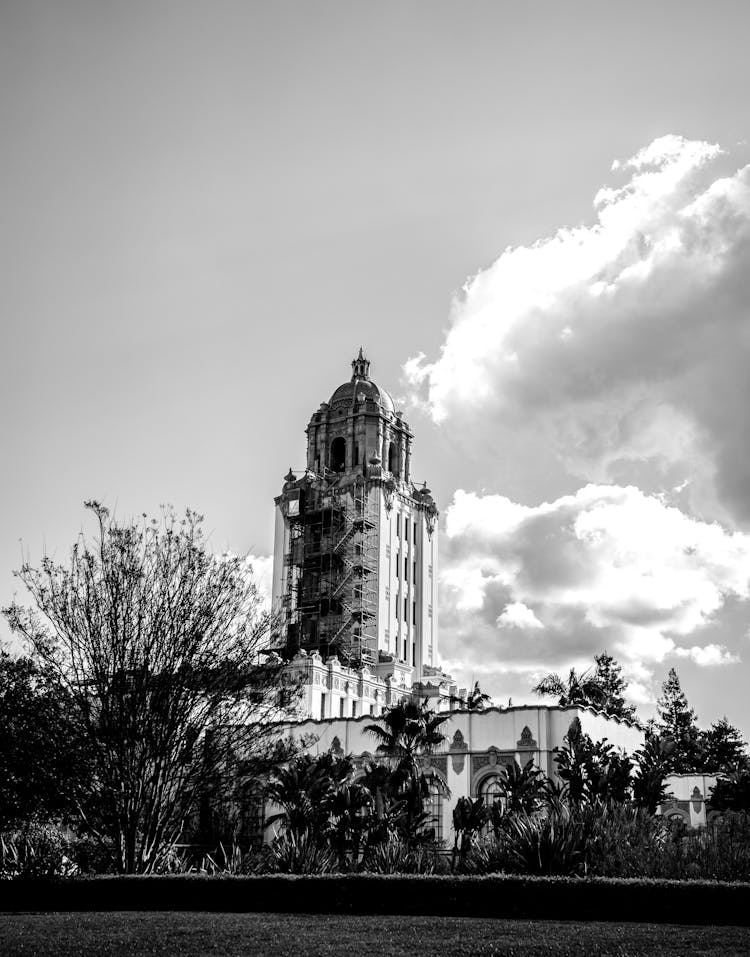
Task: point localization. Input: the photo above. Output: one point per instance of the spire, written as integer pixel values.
(360, 366)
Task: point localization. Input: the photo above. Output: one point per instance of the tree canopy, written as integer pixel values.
(602, 687)
(43, 753)
(157, 644)
(677, 720)
(721, 748)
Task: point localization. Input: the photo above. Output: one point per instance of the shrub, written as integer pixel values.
(300, 854)
(396, 857)
(545, 844)
(624, 841)
(36, 849)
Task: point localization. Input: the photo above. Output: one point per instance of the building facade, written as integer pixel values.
(356, 550)
(477, 745)
(355, 591)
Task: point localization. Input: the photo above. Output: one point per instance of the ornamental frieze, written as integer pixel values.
(493, 758)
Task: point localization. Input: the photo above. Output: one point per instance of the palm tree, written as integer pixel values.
(582, 689)
(654, 764)
(524, 786)
(408, 731)
(476, 700)
(304, 789)
(350, 810)
(469, 817)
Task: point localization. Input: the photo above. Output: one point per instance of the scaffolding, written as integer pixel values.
(331, 596)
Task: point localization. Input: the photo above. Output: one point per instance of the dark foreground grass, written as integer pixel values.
(292, 935)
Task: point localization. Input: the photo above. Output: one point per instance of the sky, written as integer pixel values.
(534, 217)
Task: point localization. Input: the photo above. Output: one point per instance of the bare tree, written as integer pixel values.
(160, 645)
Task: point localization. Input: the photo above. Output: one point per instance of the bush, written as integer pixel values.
(546, 844)
(550, 898)
(36, 849)
(299, 854)
(395, 857)
(625, 841)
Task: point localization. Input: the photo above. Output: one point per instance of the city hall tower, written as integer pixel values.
(355, 550)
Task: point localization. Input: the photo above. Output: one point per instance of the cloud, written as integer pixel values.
(529, 589)
(709, 655)
(262, 569)
(619, 351)
(518, 615)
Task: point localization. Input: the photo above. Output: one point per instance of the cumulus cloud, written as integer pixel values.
(617, 345)
(528, 589)
(518, 615)
(262, 570)
(708, 655)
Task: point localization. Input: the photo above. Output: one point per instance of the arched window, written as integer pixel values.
(252, 817)
(435, 807)
(492, 792)
(392, 458)
(338, 455)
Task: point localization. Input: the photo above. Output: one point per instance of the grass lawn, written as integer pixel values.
(279, 935)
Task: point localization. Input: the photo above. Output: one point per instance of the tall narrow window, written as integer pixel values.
(413, 613)
(398, 564)
(337, 459)
(406, 527)
(406, 609)
(342, 705)
(322, 706)
(414, 534)
(354, 709)
(356, 454)
(414, 572)
(398, 523)
(406, 569)
(413, 655)
(435, 808)
(404, 657)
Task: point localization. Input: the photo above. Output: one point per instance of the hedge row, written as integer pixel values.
(551, 898)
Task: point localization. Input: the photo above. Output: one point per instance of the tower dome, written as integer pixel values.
(361, 388)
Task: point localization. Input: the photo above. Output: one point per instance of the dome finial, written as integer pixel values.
(360, 366)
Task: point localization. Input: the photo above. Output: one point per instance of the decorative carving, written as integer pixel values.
(697, 798)
(336, 747)
(458, 761)
(479, 761)
(677, 810)
(458, 743)
(389, 487)
(526, 742)
(440, 763)
(492, 758)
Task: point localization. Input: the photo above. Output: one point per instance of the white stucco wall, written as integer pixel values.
(687, 797)
(477, 742)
